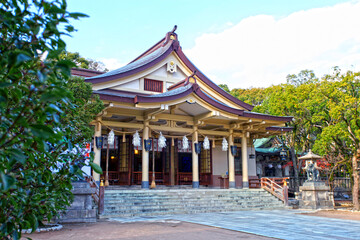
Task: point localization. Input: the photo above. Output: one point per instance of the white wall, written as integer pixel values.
(220, 163)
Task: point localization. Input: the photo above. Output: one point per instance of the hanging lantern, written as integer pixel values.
(147, 143)
(283, 154)
(185, 143)
(233, 149)
(225, 145)
(161, 141)
(99, 142)
(206, 143)
(111, 137)
(136, 139)
(197, 148)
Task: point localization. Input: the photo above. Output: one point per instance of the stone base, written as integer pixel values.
(315, 195)
(81, 209)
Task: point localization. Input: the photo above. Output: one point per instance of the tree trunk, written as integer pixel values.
(296, 169)
(355, 190)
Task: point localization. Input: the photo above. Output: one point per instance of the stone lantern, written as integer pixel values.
(314, 193)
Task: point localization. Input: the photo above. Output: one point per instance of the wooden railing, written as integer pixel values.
(160, 178)
(184, 178)
(205, 178)
(255, 183)
(277, 187)
(98, 196)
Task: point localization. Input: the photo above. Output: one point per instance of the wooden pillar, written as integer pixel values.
(231, 161)
(123, 153)
(172, 163)
(145, 158)
(195, 160)
(244, 155)
(97, 151)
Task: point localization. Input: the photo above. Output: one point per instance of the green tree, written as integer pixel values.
(252, 96)
(224, 87)
(292, 99)
(340, 136)
(82, 62)
(305, 76)
(40, 120)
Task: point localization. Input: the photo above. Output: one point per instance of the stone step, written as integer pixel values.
(189, 206)
(130, 203)
(138, 201)
(186, 191)
(170, 195)
(169, 198)
(183, 211)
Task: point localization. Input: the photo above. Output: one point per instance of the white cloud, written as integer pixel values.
(111, 63)
(261, 50)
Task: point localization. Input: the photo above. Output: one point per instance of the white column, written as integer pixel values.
(244, 154)
(145, 158)
(97, 151)
(231, 162)
(195, 160)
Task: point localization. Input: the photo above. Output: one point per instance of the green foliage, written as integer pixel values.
(326, 112)
(340, 95)
(42, 115)
(85, 107)
(82, 62)
(224, 87)
(252, 96)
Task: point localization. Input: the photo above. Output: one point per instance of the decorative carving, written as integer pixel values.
(171, 67)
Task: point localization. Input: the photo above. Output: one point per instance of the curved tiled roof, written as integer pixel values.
(153, 56)
(134, 67)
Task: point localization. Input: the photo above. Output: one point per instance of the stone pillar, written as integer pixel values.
(145, 158)
(244, 155)
(231, 161)
(97, 151)
(81, 209)
(195, 160)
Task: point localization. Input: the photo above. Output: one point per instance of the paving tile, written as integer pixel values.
(282, 224)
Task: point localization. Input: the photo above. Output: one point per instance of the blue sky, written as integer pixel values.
(117, 31)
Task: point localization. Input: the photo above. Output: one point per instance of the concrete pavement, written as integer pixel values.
(282, 224)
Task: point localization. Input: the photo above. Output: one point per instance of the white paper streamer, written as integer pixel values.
(111, 137)
(225, 145)
(206, 143)
(136, 139)
(162, 141)
(185, 143)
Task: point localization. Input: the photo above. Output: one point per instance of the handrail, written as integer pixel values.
(98, 196)
(275, 189)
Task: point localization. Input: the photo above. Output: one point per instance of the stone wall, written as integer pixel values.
(82, 208)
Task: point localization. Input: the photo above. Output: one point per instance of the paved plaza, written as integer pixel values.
(282, 224)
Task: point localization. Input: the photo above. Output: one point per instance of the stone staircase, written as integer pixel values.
(132, 203)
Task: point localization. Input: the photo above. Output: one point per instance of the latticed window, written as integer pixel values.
(153, 85)
(238, 162)
(205, 161)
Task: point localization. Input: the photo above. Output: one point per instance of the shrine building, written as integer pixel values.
(162, 91)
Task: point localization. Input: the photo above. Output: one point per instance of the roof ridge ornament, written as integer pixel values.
(170, 36)
(188, 78)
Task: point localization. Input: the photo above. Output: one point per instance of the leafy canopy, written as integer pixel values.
(44, 114)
